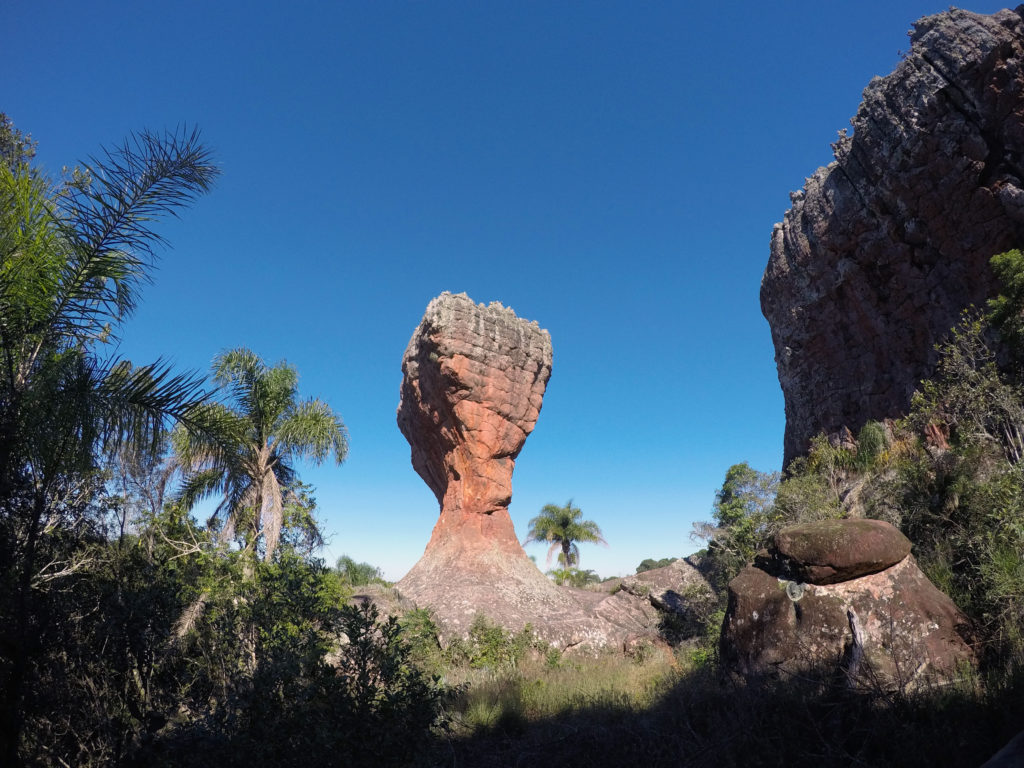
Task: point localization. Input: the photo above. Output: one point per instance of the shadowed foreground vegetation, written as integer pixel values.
(696, 718)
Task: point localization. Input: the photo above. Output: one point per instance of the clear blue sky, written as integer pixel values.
(610, 169)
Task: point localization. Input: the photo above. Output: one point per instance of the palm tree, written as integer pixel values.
(245, 453)
(563, 527)
(72, 260)
(73, 257)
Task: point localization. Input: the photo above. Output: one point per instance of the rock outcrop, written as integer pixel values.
(885, 246)
(865, 609)
(473, 384)
(831, 551)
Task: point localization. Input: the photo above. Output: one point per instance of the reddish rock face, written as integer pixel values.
(883, 248)
(473, 384)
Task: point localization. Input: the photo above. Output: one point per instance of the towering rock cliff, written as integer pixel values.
(886, 245)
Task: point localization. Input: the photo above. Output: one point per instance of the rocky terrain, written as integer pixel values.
(473, 385)
(845, 595)
(885, 246)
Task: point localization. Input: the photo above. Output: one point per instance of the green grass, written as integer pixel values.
(667, 710)
(538, 690)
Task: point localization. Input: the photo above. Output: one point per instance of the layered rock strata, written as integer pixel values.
(472, 388)
(885, 246)
(876, 618)
(473, 383)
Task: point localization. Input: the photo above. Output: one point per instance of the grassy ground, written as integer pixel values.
(664, 710)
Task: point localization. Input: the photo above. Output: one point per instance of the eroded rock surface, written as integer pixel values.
(885, 246)
(831, 551)
(473, 384)
(889, 628)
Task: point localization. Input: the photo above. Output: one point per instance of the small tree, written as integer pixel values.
(246, 454)
(563, 527)
(744, 514)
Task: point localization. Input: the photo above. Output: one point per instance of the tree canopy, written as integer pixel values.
(563, 527)
(245, 455)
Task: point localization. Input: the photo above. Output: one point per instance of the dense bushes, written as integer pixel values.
(130, 635)
(166, 650)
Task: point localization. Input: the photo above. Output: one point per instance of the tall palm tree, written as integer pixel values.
(563, 527)
(245, 453)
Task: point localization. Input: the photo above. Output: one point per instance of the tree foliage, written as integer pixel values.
(573, 577)
(649, 564)
(744, 518)
(962, 503)
(129, 635)
(358, 574)
(73, 259)
(563, 527)
(1007, 309)
(245, 455)
(15, 147)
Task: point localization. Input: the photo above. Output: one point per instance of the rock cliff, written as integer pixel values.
(885, 246)
(473, 384)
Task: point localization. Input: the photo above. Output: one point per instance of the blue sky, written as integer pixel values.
(610, 169)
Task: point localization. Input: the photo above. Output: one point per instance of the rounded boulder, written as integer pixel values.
(832, 551)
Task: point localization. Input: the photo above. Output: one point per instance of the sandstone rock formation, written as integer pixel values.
(883, 247)
(887, 627)
(473, 384)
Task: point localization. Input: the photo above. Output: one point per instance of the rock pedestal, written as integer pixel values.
(473, 384)
(884, 247)
(866, 609)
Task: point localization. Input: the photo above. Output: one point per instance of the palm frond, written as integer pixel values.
(208, 434)
(138, 403)
(107, 221)
(200, 485)
(552, 549)
(314, 431)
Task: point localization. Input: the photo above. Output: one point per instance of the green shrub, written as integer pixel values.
(359, 574)
(871, 444)
(420, 632)
(491, 647)
(574, 577)
(650, 564)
